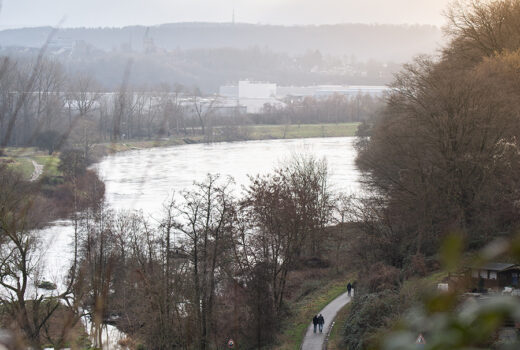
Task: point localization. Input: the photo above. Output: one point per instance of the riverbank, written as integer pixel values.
(232, 134)
(29, 162)
(21, 158)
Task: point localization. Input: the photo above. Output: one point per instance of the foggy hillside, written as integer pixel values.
(382, 42)
(207, 55)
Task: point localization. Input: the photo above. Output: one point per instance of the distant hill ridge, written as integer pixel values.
(364, 41)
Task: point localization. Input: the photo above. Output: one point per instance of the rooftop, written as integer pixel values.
(497, 266)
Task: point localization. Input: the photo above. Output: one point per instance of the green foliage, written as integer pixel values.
(472, 325)
(451, 252)
(50, 164)
(23, 166)
(262, 132)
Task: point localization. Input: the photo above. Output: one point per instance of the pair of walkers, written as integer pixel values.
(318, 322)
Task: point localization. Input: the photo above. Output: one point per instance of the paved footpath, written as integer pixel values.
(315, 341)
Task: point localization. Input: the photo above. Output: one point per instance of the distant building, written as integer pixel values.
(255, 95)
(324, 91)
(251, 95)
(496, 276)
(229, 91)
(250, 90)
(215, 107)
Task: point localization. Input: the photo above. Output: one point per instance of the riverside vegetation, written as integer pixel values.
(442, 161)
(201, 272)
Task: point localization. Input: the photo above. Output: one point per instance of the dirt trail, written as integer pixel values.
(38, 170)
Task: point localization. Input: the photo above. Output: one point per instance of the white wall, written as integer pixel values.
(248, 89)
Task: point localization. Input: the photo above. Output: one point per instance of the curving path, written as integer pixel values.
(315, 341)
(38, 170)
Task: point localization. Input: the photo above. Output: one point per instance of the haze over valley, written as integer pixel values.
(207, 55)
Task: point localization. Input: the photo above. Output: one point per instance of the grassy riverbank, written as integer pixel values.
(266, 132)
(20, 158)
(247, 133)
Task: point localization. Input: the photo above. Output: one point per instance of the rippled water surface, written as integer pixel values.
(144, 179)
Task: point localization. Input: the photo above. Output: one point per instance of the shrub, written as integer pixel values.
(381, 277)
(47, 285)
(48, 140)
(72, 163)
(367, 314)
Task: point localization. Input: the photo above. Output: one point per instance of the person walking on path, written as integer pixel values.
(349, 288)
(321, 321)
(313, 341)
(315, 322)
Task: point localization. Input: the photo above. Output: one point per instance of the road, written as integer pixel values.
(315, 341)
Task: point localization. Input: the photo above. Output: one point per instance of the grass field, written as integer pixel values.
(50, 164)
(296, 325)
(264, 132)
(20, 164)
(20, 159)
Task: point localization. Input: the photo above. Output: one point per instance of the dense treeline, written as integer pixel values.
(333, 109)
(443, 156)
(41, 103)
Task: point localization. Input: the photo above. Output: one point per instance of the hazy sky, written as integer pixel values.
(115, 13)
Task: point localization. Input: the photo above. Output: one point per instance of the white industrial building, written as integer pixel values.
(252, 95)
(323, 91)
(255, 95)
(248, 89)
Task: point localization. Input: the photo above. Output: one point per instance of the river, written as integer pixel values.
(145, 179)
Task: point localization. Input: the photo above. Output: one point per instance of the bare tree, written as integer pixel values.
(23, 302)
(205, 219)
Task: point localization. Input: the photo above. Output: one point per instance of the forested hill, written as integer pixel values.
(364, 41)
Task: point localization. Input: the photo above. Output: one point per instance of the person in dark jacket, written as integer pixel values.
(315, 322)
(321, 321)
(349, 288)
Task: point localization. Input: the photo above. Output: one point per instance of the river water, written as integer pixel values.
(146, 179)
